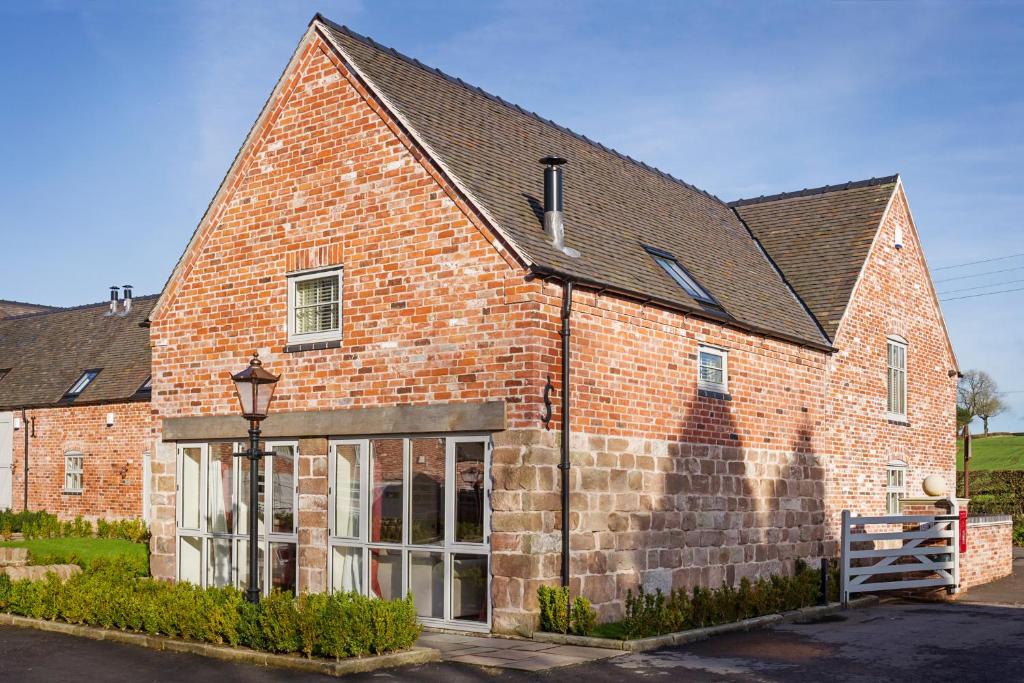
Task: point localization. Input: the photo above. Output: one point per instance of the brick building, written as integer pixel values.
(74, 393)
(387, 241)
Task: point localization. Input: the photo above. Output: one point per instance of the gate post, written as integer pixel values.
(954, 544)
(844, 560)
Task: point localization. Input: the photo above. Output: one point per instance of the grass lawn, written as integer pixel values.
(993, 453)
(82, 551)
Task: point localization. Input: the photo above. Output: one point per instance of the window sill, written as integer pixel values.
(313, 346)
(898, 421)
(719, 395)
(71, 493)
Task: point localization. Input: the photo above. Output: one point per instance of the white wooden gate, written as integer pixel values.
(927, 547)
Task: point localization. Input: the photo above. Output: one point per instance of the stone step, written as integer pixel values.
(39, 571)
(13, 557)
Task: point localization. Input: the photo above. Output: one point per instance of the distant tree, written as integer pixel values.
(978, 395)
(963, 418)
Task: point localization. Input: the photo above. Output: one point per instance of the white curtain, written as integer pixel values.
(348, 565)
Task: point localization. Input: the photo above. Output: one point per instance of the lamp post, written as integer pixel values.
(255, 388)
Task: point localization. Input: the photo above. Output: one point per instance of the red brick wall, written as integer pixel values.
(989, 553)
(432, 311)
(112, 461)
(893, 297)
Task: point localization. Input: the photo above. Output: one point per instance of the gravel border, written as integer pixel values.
(416, 655)
(694, 635)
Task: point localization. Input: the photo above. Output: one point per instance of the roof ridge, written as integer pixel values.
(67, 309)
(824, 189)
(28, 303)
(367, 40)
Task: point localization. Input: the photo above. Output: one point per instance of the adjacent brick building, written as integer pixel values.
(739, 373)
(74, 390)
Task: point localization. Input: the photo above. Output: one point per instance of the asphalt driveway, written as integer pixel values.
(889, 642)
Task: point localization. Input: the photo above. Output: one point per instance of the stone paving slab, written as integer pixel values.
(511, 653)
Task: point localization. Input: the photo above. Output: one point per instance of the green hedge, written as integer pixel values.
(108, 594)
(654, 614)
(997, 492)
(40, 524)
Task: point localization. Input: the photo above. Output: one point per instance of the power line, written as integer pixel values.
(974, 296)
(989, 272)
(984, 260)
(969, 289)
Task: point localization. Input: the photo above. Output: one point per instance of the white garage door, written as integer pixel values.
(6, 454)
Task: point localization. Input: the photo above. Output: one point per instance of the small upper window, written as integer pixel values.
(84, 381)
(314, 306)
(896, 378)
(895, 486)
(73, 472)
(713, 369)
(675, 270)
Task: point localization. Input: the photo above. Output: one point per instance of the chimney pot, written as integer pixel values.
(114, 297)
(127, 299)
(554, 223)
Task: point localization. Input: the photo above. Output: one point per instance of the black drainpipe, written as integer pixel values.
(565, 332)
(24, 429)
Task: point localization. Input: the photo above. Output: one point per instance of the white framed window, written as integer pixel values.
(713, 369)
(213, 515)
(895, 486)
(73, 472)
(896, 378)
(314, 306)
(411, 514)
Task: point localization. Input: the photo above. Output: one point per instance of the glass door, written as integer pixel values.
(410, 515)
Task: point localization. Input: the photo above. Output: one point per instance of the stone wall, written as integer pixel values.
(645, 512)
(989, 553)
(112, 462)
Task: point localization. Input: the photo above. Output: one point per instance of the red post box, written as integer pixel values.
(963, 531)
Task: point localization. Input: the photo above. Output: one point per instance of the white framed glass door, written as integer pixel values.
(411, 514)
(213, 515)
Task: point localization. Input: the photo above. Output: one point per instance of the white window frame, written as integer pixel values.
(895, 486)
(892, 342)
(68, 471)
(311, 337)
(206, 537)
(722, 388)
(448, 549)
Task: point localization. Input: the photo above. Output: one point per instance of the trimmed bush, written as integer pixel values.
(583, 618)
(109, 594)
(554, 609)
(654, 614)
(560, 615)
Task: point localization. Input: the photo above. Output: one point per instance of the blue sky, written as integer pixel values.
(121, 118)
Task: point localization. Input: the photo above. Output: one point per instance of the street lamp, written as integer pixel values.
(255, 387)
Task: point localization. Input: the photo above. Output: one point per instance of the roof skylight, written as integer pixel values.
(84, 381)
(682, 278)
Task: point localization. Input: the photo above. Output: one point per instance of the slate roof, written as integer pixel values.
(820, 239)
(47, 352)
(11, 308)
(614, 205)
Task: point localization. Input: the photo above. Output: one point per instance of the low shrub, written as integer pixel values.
(554, 609)
(109, 594)
(559, 614)
(583, 618)
(653, 614)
